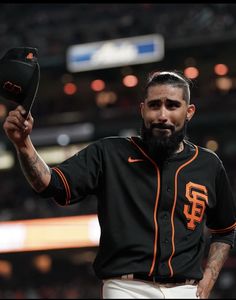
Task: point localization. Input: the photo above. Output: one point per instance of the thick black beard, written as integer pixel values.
(160, 147)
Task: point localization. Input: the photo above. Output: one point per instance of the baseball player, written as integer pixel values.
(156, 192)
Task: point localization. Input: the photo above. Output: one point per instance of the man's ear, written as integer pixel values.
(142, 108)
(190, 112)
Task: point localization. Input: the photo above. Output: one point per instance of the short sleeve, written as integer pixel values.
(81, 174)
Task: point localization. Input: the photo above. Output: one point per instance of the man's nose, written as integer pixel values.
(162, 116)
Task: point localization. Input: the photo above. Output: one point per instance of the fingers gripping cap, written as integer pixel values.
(19, 76)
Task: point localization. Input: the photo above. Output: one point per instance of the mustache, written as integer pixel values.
(162, 126)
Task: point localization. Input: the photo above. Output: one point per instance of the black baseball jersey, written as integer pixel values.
(152, 218)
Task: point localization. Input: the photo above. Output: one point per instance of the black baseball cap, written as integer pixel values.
(19, 76)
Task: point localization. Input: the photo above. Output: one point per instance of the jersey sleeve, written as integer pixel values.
(76, 177)
(226, 237)
(221, 218)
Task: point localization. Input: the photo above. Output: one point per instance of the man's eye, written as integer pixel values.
(173, 105)
(153, 104)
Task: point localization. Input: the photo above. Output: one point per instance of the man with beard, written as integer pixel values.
(156, 192)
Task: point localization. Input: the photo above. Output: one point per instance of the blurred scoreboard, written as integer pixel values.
(115, 53)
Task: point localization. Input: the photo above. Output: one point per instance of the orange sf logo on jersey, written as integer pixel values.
(198, 198)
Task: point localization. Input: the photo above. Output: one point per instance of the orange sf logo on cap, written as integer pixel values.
(30, 55)
(12, 88)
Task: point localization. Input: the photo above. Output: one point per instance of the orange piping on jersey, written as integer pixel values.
(67, 188)
(174, 205)
(223, 230)
(155, 208)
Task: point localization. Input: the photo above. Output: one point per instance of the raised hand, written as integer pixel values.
(16, 127)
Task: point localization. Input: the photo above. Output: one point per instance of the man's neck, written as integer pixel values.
(180, 148)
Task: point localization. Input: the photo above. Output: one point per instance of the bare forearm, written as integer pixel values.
(18, 130)
(218, 254)
(36, 171)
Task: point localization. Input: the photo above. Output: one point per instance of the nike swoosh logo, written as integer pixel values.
(133, 160)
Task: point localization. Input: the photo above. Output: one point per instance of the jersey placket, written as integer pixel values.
(164, 219)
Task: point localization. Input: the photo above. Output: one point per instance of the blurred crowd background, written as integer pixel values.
(73, 109)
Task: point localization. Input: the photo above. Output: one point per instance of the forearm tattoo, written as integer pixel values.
(35, 170)
(217, 256)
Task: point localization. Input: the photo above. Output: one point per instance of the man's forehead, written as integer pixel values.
(165, 90)
(167, 86)
(164, 100)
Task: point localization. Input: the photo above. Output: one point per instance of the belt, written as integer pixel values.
(169, 282)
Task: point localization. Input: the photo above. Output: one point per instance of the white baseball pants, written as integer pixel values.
(137, 289)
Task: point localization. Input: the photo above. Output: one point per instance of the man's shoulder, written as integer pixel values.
(109, 143)
(113, 140)
(205, 152)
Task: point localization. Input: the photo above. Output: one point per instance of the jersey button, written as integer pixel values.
(168, 189)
